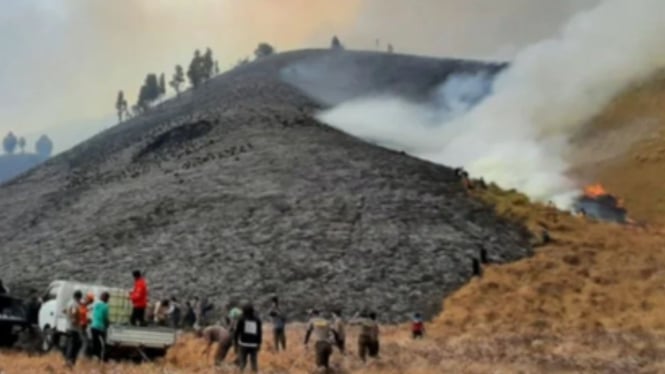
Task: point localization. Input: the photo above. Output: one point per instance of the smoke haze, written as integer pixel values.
(63, 61)
(518, 135)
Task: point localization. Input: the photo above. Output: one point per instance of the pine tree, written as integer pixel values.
(149, 92)
(178, 79)
(162, 85)
(44, 146)
(9, 143)
(121, 105)
(336, 44)
(21, 144)
(195, 72)
(207, 65)
(264, 50)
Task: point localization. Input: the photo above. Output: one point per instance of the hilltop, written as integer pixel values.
(234, 191)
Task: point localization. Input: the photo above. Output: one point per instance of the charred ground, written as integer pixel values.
(235, 191)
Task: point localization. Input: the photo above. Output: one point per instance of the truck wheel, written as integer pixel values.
(48, 340)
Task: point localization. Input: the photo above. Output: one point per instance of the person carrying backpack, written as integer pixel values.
(248, 337)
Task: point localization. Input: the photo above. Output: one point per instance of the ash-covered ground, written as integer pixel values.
(235, 192)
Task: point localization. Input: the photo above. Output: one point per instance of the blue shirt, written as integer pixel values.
(100, 316)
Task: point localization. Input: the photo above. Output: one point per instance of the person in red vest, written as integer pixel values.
(417, 326)
(139, 296)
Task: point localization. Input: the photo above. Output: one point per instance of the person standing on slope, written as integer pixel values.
(338, 327)
(323, 332)
(417, 326)
(139, 297)
(278, 325)
(99, 326)
(248, 337)
(368, 339)
(75, 331)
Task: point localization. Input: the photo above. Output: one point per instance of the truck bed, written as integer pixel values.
(141, 337)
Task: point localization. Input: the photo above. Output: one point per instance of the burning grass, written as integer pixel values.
(636, 172)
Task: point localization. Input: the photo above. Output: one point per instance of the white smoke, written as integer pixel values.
(519, 135)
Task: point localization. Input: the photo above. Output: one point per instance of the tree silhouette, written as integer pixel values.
(242, 62)
(44, 146)
(21, 144)
(216, 70)
(336, 44)
(195, 72)
(9, 143)
(121, 105)
(264, 50)
(149, 92)
(207, 65)
(178, 79)
(162, 85)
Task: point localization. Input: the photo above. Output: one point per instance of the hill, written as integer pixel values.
(15, 164)
(235, 191)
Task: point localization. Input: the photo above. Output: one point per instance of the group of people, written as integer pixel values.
(240, 329)
(85, 315)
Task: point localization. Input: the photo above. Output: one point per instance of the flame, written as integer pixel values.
(595, 190)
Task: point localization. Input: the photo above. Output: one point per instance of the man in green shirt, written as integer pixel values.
(99, 325)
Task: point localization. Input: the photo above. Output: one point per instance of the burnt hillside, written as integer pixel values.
(235, 191)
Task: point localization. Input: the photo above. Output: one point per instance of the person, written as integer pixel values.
(74, 331)
(221, 336)
(417, 326)
(99, 325)
(175, 313)
(232, 322)
(203, 309)
(139, 297)
(322, 331)
(338, 327)
(278, 325)
(248, 337)
(162, 313)
(190, 316)
(84, 316)
(368, 339)
(3, 289)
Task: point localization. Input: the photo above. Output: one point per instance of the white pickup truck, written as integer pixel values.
(146, 341)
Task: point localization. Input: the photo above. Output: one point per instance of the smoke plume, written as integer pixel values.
(518, 135)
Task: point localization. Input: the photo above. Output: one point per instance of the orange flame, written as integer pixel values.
(595, 190)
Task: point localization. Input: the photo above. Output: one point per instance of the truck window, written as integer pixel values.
(50, 294)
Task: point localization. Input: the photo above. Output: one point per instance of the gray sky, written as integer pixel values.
(63, 61)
